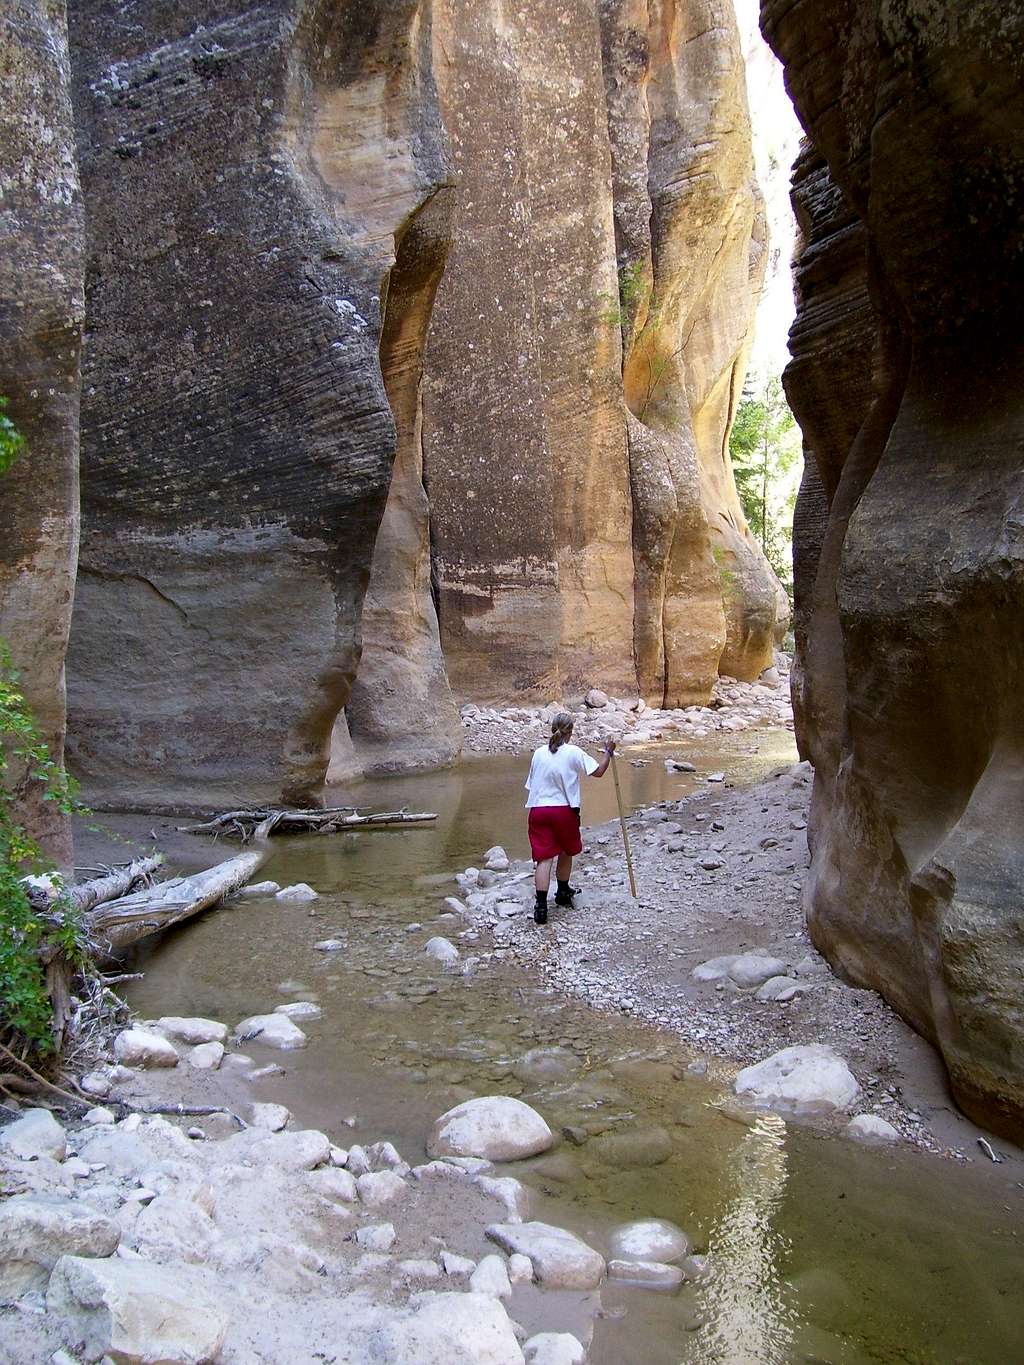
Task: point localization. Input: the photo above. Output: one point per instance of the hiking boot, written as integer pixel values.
(540, 914)
(564, 895)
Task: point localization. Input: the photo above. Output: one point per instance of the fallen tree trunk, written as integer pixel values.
(117, 923)
(242, 824)
(117, 882)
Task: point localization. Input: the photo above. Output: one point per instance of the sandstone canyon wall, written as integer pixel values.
(249, 174)
(41, 247)
(906, 379)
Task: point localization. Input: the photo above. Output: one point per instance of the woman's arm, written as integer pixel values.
(602, 767)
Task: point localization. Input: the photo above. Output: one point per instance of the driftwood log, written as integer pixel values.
(118, 881)
(243, 824)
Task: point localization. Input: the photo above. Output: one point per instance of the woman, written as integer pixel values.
(554, 806)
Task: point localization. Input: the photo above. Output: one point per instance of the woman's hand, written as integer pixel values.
(609, 746)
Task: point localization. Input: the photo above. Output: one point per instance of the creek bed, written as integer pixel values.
(823, 1251)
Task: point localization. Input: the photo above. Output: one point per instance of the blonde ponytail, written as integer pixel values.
(561, 731)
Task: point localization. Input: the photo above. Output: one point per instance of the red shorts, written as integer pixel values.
(554, 830)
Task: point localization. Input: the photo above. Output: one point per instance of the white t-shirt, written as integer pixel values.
(554, 778)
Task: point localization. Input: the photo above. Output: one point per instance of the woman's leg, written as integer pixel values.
(563, 870)
(542, 873)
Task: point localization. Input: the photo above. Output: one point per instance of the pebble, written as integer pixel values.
(299, 892)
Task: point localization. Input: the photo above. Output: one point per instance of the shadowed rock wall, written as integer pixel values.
(911, 654)
(41, 245)
(248, 172)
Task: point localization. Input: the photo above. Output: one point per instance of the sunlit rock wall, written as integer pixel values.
(912, 705)
(41, 247)
(249, 173)
(585, 523)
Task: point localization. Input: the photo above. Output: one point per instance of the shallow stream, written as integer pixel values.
(823, 1251)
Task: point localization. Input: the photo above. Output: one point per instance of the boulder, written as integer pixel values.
(172, 1228)
(299, 892)
(441, 950)
(753, 969)
(192, 1030)
(301, 1151)
(596, 699)
(138, 1047)
(645, 1274)
(649, 1239)
(272, 1117)
(496, 1127)
(454, 1264)
(805, 1081)
(560, 1259)
(447, 1329)
(300, 1009)
(259, 889)
(377, 1188)
(496, 859)
(491, 1277)
(376, 1236)
(715, 968)
(206, 1057)
(554, 1348)
(871, 1128)
(135, 1311)
(272, 1030)
(520, 1268)
(781, 989)
(35, 1133)
(331, 1183)
(37, 1229)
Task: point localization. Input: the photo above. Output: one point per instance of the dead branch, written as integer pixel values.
(241, 824)
(115, 882)
(184, 1110)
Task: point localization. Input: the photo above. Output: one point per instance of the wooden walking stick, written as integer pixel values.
(625, 832)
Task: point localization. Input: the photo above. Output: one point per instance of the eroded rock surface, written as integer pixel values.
(906, 378)
(248, 180)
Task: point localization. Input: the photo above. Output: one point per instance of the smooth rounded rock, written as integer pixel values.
(871, 1128)
(377, 1188)
(806, 1080)
(441, 950)
(206, 1057)
(301, 891)
(136, 1047)
(272, 1030)
(649, 1239)
(754, 969)
(495, 1127)
(272, 1117)
(780, 989)
(300, 1009)
(554, 1348)
(192, 1030)
(491, 1277)
(714, 969)
(560, 1259)
(645, 1274)
(34, 1134)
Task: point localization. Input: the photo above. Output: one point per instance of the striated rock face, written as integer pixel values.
(582, 502)
(906, 379)
(41, 241)
(249, 174)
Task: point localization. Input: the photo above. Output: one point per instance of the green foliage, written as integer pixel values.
(766, 460)
(11, 441)
(27, 935)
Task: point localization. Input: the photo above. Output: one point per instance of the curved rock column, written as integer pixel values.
(41, 304)
(914, 715)
(691, 251)
(247, 179)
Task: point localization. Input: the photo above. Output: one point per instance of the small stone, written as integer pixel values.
(781, 989)
(95, 1083)
(560, 1259)
(358, 1162)
(34, 1134)
(554, 1348)
(753, 969)
(137, 1047)
(384, 1155)
(649, 1239)
(379, 1187)
(76, 1167)
(192, 1030)
(697, 1068)
(646, 1274)
(339, 1156)
(206, 1057)
(300, 1009)
(496, 859)
(442, 950)
(376, 1236)
(457, 1265)
(496, 1127)
(715, 968)
(272, 1030)
(870, 1128)
(259, 889)
(334, 1184)
(329, 945)
(419, 1269)
(716, 777)
(100, 1115)
(520, 1268)
(491, 1277)
(455, 905)
(299, 892)
(272, 1117)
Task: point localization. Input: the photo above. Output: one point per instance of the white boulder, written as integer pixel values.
(206, 1057)
(139, 1048)
(447, 1329)
(807, 1080)
(37, 1229)
(272, 1117)
(376, 1236)
(520, 1268)
(135, 1311)
(259, 889)
(491, 1277)
(645, 1274)
(330, 1183)
(560, 1259)
(780, 989)
(36, 1133)
(300, 1009)
(192, 1030)
(496, 859)
(301, 1151)
(595, 699)
(714, 969)
(496, 1127)
(379, 1187)
(442, 950)
(272, 1030)
(754, 969)
(649, 1239)
(299, 892)
(554, 1348)
(871, 1128)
